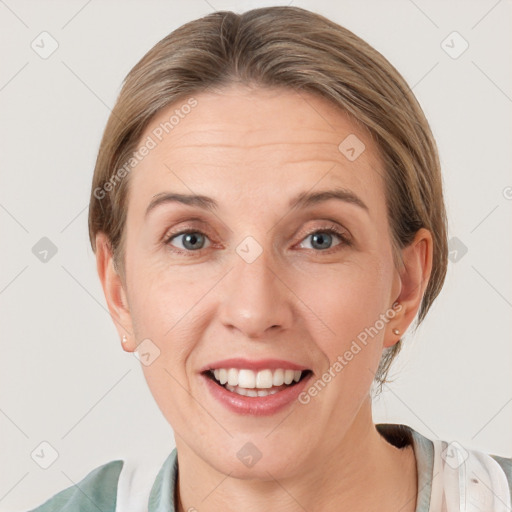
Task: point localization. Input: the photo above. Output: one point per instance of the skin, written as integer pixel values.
(252, 150)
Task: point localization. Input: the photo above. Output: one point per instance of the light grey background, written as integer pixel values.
(64, 378)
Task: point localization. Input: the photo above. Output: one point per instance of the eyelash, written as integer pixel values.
(345, 240)
(333, 230)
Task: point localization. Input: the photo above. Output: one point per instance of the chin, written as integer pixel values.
(258, 459)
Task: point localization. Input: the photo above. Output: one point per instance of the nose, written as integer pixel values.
(255, 297)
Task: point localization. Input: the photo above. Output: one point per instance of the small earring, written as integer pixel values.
(396, 331)
(125, 339)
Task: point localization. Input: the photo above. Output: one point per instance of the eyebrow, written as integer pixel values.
(305, 199)
(302, 200)
(204, 202)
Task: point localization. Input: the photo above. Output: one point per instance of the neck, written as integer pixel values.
(361, 472)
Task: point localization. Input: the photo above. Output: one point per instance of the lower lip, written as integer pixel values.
(258, 405)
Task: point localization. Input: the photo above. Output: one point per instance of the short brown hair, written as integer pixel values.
(283, 47)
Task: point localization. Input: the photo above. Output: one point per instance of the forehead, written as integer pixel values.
(258, 145)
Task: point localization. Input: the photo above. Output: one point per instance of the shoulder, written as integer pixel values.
(119, 485)
(506, 466)
(451, 476)
(476, 465)
(485, 478)
(96, 491)
(479, 480)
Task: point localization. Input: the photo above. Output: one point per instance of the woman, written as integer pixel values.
(268, 220)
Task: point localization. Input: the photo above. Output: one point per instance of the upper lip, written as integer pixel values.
(255, 364)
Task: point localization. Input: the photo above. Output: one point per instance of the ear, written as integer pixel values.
(413, 277)
(114, 290)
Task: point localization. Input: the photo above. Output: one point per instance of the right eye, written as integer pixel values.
(191, 241)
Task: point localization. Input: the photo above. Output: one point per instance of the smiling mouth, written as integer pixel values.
(254, 384)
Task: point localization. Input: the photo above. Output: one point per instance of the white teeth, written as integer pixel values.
(246, 379)
(240, 391)
(251, 392)
(249, 379)
(278, 378)
(223, 376)
(288, 376)
(232, 377)
(264, 392)
(264, 379)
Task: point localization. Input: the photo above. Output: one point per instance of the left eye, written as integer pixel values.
(322, 239)
(191, 240)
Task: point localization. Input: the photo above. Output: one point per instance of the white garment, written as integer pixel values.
(135, 483)
(467, 481)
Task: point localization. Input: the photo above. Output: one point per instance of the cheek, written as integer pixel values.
(163, 296)
(346, 328)
(168, 307)
(346, 299)
(163, 311)
(351, 304)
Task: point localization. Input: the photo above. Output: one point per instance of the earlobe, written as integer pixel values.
(414, 275)
(114, 291)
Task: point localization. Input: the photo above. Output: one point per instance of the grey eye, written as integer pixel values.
(321, 240)
(190, 241)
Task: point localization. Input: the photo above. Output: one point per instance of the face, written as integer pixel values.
(255, 279)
